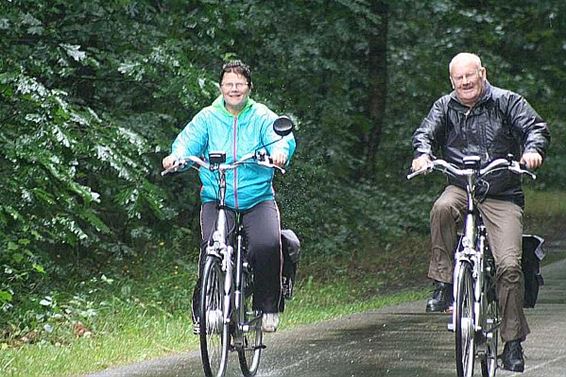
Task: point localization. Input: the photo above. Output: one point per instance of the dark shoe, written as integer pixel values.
(512, 356)
(441, 299)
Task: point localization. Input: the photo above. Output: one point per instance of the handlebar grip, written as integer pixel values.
(520, 168)
(528, 172)
(172, 169)
(276, 167)
(426, 170)
(413, 175)
(178, 165)
(523, 166)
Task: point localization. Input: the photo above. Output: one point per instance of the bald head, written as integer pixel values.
(464, 58)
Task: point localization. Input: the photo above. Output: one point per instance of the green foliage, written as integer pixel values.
(57, 159)
(68, 172)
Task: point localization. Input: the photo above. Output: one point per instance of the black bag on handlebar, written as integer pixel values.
(291, 255)
(532, 255)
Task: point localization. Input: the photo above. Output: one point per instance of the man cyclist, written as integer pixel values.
(479, 119)
(238, 125)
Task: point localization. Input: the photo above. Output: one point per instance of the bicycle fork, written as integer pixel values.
(479, 277)
(466, 257)
(227, 267)
(239, 291)
(475, 259)
(225, 252)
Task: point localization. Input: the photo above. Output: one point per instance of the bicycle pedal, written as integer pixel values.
(450, 324)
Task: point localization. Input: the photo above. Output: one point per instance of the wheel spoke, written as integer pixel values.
(491, 326)
(464, 326)
(214, 336)
(249, 352)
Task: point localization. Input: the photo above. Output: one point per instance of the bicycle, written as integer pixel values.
(226, 319)
(475, 318)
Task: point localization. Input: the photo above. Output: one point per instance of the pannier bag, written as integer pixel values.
(532, 255)
(291, 255)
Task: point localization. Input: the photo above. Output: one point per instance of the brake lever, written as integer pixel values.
(265, 160)
(281, 170)
(519, 168)
(268, 163)
(530, 174)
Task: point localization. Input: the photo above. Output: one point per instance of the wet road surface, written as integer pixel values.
(399, 341)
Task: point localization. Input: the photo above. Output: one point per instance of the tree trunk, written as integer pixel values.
(378, 87)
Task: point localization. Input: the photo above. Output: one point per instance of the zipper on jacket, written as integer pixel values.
(481, 130)
(235, 157)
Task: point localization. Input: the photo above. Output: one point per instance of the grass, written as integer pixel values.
(141, 311)
(128, 332)
(546, 203)
(545, 213)
(139, 338)
(146, 315)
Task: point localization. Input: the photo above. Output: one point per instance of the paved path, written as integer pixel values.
(399, 341)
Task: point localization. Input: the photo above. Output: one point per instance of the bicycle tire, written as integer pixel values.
(249, 353)
(488, 361)
(464, 321)
(214, 333)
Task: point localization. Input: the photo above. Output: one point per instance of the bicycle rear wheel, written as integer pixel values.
(214, 333)
(491, 328)
(249, 349)
(464, 321)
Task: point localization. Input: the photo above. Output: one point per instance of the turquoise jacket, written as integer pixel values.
(215, 129)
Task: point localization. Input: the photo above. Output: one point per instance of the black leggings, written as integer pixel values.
(263, 233)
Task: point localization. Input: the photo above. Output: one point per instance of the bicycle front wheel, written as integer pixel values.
(214, 333)
(491, 329)
(249, 352)
(464, 317)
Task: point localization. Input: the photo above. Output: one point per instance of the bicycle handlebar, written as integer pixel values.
(493, 166)
(259, 158)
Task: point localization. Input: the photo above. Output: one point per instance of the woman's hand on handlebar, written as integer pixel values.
(279, 159)
(169, 161)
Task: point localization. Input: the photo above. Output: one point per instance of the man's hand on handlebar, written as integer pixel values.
(421, 163)
(532, 160)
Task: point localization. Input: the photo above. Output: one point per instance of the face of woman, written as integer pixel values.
(235, 91)
(468, 81)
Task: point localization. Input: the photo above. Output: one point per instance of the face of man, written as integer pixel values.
(235, 90)
(468, 80)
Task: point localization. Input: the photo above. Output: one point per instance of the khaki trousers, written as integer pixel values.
(504, 223)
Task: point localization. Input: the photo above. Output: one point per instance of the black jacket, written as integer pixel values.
(501, 123)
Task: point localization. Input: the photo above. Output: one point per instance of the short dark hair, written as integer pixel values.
(238, 67)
